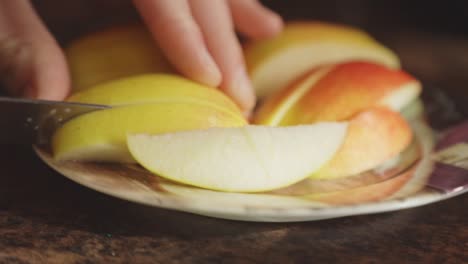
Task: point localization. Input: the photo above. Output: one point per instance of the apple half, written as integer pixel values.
(273, 63)
(245, 159)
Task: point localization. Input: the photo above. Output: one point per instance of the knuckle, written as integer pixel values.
(176, 24)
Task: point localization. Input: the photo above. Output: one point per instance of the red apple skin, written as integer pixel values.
(344, 90)
(309, 186)
(373, 136)
(274, 62)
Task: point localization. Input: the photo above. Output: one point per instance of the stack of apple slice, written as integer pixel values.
(365, 94)
(192, 134)
(330, 110)
(273, 63)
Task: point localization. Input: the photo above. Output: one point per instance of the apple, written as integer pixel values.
(101, 135)
(337, 92)
(414, 111)
(384, 171)
(113, 53)
(245, 159)
(153, 88)
(335, 119)
(374, 136)
(273, 63)
(363, 92)
(142, 104)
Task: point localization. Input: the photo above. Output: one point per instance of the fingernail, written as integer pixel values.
(242, 92)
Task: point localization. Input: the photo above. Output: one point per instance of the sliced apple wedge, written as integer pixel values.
(338, 92)
(387, 170)
(151, 103)
(101, 135)
(273, 63)
(374, 136)
(155, 88)
(246, 159)
(113, 53)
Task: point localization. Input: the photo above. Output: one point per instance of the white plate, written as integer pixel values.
(135, 184)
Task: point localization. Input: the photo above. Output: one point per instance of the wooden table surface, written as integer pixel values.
(45, 218)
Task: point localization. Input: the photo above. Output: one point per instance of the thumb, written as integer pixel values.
(31, 62)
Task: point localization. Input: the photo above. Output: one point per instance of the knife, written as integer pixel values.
(28, 121)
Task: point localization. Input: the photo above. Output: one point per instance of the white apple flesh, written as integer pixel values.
(244, 159)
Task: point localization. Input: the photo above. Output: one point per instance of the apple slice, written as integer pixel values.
(273, 63)
(373, 137)
(151, 103)
(246, 159)
(338, 92)
(113, 53)
(387, 170)
(101, 135)
(155, 88)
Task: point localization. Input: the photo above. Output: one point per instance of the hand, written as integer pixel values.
(31, 62)
(197, 36)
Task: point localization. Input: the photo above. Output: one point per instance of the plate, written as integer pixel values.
(132, 183)
(433, 168)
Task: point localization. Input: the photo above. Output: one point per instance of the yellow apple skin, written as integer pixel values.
(149, 103)
(114, 53)
(337, 92)
(154, 88)
(374, 136)
(101, 135)
(272, 63)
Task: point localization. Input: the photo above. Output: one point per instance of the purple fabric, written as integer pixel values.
(448, 178)
(445, 177)
(454, 135)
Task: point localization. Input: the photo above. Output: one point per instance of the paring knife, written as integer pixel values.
(27, 121)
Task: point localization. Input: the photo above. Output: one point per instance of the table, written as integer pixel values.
(45, 218)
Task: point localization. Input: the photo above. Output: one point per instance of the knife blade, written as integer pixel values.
(28, 121)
